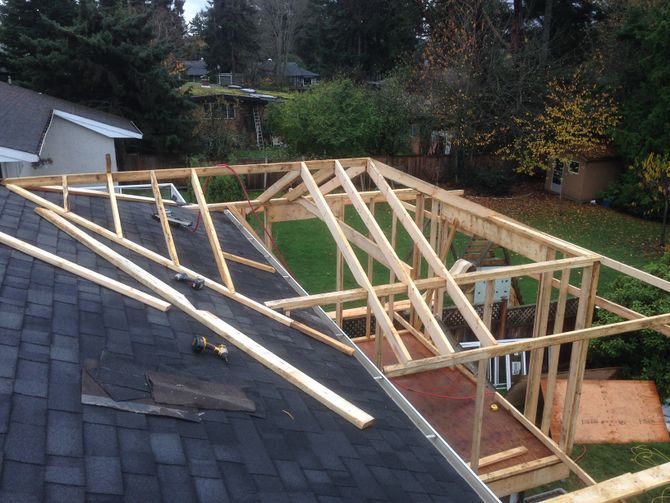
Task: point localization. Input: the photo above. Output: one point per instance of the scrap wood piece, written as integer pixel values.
(618, 488)
(498, 457)
(296, 377)
(84, 272)
(159, 259)
(526, 467)
(612, 412)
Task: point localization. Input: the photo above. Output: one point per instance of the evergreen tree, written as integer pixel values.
(21, 22)
(108, 59)
(231, 33)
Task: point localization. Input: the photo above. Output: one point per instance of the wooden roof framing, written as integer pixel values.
(322, 189)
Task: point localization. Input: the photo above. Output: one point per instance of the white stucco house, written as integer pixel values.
(43, 135)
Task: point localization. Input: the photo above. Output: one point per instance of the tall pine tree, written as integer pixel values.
(109, 59)
(231, 33)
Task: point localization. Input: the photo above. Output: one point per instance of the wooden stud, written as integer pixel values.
(108, 164)
(167, 232)
(83, 272)
(115, 207)
(428, 344)
(573, 391)
(98, 193)
(339, 270)
(394, 239)
(211, 233)
(382, 318)
(66, 192)
(319, 177)
(267, 232)
(416, 255)
(479, 415)
(555, 351)
(333, 184)
(277, 187)
(540, 322)
(324, 395)
(371, 265)
(488, 303)
(456, 294)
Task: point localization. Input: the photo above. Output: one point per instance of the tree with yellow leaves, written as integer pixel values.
(655, 172)
(576, 120)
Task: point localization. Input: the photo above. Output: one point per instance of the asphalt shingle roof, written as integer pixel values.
(292, 449)
(25, 117)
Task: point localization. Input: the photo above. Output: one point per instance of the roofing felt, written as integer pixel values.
(25, 116)
(291, 449)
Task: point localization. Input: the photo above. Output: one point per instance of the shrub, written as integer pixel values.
(220, 189)
(628, 195)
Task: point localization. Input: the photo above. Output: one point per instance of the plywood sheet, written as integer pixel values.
(613, 412)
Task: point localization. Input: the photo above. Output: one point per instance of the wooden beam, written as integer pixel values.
(339, 268)
(211, 233)
(178, 173)
(167, 232)
(277, 187)
(83, 272)
(319, 177)
(439, 282)
(502, 456)
(352, 261)
(479, 415)
(333, 184)
(159, 259)
(473, 355)
(428, 344)
(645, 277)
(526, 467)
(115, 206)
(370, 271)
(619, 488)
(324, 395)
(66, 193)
(457, 296)
(421, 308)
(99, 193)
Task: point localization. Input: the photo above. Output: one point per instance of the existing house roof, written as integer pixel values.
(291, 449)
(292, 69)
(26, 116)
(195, 68)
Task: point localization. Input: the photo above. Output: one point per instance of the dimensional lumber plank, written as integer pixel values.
(645, 277)
(554, 352)
(619, 488)
(84, 272)
(319, 177)
(539, 329)
(159, 259)
(502, 456)
(115, 206)
(479, 415)
(457, 296)
(310, 386)
(339, 269)
(519, 469)
(333, 184)
(413, 331)
(417, 301)
(472, 355)
(178, 173)
(66, 192)
(211, 233)
(399, 288)
(277, 187)
(167, 232)
(98, 193)
(371, 271)
(352, 261)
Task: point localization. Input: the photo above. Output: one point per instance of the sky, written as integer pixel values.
(192, 7)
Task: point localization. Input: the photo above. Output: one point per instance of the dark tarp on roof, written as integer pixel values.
(53, 447)
(25, 117)
(195, 68)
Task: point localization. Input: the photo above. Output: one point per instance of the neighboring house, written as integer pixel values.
(242, 111)
(296, 77)
(195, 70)
(43, 135)
(582, 178)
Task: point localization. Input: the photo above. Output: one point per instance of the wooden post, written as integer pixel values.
(115, 207)
(371, 265)
(267, 223)
(339, 268)
(394, 238)
(66, 205)
(160, 208)
(108, 163)
(555, 352)
(479, 414)
(580, 349)
(487, 315)
(542, 307)
(211, 233)
(416, 255)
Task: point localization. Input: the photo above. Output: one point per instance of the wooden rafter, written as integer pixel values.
(352, 261)
(467, 311)
(165, 225)
(115, 207)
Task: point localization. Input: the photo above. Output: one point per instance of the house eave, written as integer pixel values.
(98, 127)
